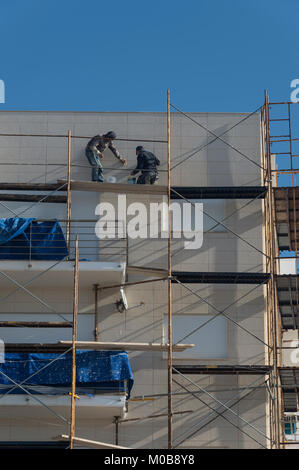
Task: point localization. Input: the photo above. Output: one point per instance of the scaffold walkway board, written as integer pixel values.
(155, 272)
(34, 324)
(288, 300)
(219, 277)
(97, 346)
(191, 192)
(35, 348)
(116, 187)
(44, 198)
(222, 369)
(32, 187)
(289, 379)
(286, 203)
(102, 346)
(218, 192)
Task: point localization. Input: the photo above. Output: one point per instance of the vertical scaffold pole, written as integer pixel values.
(170, 437)
(68, 226)
(75, 315)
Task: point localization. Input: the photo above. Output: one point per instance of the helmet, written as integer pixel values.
(139, 148)
(110, 135)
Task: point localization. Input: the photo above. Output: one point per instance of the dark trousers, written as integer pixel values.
(148, 177)
(97, 169)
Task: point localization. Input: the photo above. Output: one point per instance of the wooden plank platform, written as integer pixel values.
(34, 324)
(98, 346)
(44, 198)
(218, 192)
(116, 187)
(147, 271)
(35, 347)
(89, 443)
(32, 187)
(101, 346)
(193, 277)
(221, 369)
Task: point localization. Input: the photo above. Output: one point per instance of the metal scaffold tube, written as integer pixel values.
(170, 433)
(69, 194)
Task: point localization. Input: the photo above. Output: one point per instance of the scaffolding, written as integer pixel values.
(281, 206)
(282, 295)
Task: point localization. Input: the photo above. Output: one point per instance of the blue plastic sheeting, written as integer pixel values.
(10, 228)
(102, 370)
(22, 238)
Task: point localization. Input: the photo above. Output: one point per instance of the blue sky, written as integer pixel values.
(91, 55)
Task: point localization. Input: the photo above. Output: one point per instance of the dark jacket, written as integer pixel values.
(146, 161)
(98, 144)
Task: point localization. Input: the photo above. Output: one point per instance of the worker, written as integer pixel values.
(94, 152)
(147, 163)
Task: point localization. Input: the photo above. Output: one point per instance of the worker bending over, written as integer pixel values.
(94, 152)
(147, 163)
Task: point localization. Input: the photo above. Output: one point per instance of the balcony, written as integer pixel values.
(104, 381)
(104, 406)
(45, 249)
(62, 274)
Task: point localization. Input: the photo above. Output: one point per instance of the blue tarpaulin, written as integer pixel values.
(23, 238)
(101, 370)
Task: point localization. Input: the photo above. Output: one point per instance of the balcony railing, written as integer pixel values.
(41, 241)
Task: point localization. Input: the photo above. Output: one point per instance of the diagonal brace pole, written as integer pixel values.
(219, 312)
(218, 413)
(33, 295)
(34, 397)
(36, 372)
(222, 404)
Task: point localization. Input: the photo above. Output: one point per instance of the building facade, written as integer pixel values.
(220, 396)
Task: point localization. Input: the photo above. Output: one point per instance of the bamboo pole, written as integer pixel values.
(75, 315)
(68, 228)
(170, 434)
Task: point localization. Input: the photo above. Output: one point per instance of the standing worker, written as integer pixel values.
(94, 152)
(147, 163)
